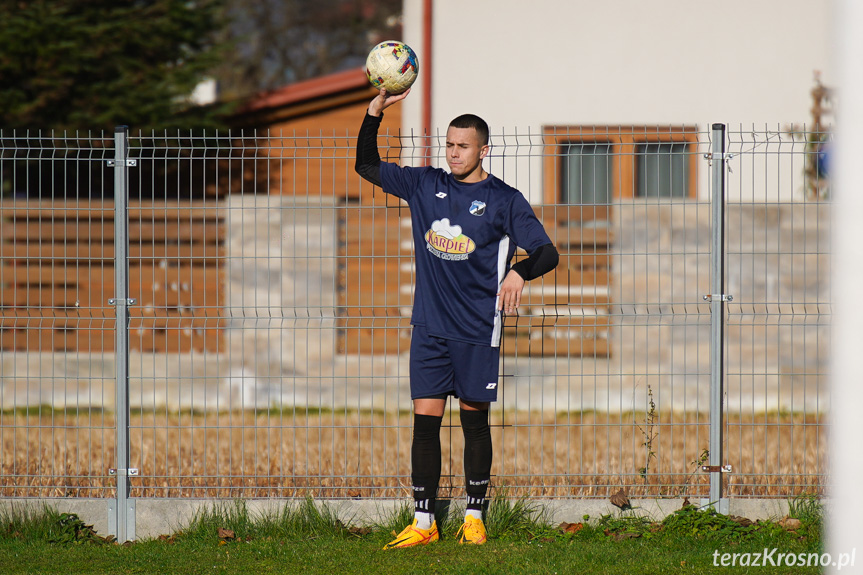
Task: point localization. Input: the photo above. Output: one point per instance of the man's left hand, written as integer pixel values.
(509, 295)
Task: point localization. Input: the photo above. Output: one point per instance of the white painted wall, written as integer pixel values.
(615, 62)
(524, 65)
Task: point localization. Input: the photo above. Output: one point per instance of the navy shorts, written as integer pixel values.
(441, 367)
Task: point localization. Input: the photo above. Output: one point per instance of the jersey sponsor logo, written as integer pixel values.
(491, 385)
(441, 195)
(477, 208)
(447, 241)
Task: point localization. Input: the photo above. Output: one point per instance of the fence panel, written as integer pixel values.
(778, 328)
(269, 341)
(55, 320)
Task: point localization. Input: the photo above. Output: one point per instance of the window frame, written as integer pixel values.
(624, 142)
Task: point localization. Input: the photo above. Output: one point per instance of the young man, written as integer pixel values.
(466, 226)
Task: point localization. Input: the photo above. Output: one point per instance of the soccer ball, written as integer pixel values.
(393, 66)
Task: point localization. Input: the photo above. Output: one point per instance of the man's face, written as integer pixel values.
(464, 153)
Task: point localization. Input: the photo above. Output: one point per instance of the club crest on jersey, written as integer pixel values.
(477, 208)
(447, 241)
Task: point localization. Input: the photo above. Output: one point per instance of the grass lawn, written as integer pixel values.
(364, 555)
(310, 541)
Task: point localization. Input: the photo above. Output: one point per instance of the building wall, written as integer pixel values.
(622, 63)
(282, 344)
(313, 154)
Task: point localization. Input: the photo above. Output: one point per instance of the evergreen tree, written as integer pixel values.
(94, 64)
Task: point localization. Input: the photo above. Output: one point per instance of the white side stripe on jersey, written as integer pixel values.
(502, 251)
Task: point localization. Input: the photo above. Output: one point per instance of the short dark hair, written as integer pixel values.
(475, 122)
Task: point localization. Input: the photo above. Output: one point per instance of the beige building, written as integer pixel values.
(619, 63)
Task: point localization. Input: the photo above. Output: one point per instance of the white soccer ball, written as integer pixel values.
(392, 65)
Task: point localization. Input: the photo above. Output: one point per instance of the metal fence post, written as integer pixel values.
(121, 511)
(717, 299)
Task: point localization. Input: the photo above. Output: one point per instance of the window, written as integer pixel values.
(591, 168)
(662, 170)
(586, 174)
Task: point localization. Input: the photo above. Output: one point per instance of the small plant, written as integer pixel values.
(702, 459)
(649, 434)
(512, 517)
(307, 520)
(707, 524)
(70, 529)
(808, 510)
(697, 464)
(205, 523)
(27, 522)
(626, 526)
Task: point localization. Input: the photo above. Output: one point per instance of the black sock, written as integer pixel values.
(426, 462)
(477, 456)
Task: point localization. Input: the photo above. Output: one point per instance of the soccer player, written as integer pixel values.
(466, 226)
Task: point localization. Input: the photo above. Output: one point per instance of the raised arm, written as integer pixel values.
(368, 164)
(368, 159)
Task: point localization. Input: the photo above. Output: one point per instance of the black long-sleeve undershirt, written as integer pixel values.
(368, 165)
(540, 262)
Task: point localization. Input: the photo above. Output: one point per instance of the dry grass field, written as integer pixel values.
(292, 453)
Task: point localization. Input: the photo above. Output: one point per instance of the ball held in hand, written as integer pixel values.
(393, 66)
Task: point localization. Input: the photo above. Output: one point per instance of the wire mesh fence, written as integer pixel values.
(270, 328)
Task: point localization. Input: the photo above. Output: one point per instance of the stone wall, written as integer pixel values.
(777, 332)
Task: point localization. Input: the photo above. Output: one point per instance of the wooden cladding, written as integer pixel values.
(375, 279)
(57, 274)
(567, 311)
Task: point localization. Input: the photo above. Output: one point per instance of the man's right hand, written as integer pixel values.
(384, 100)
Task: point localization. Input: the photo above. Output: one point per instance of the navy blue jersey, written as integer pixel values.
(464, 237)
